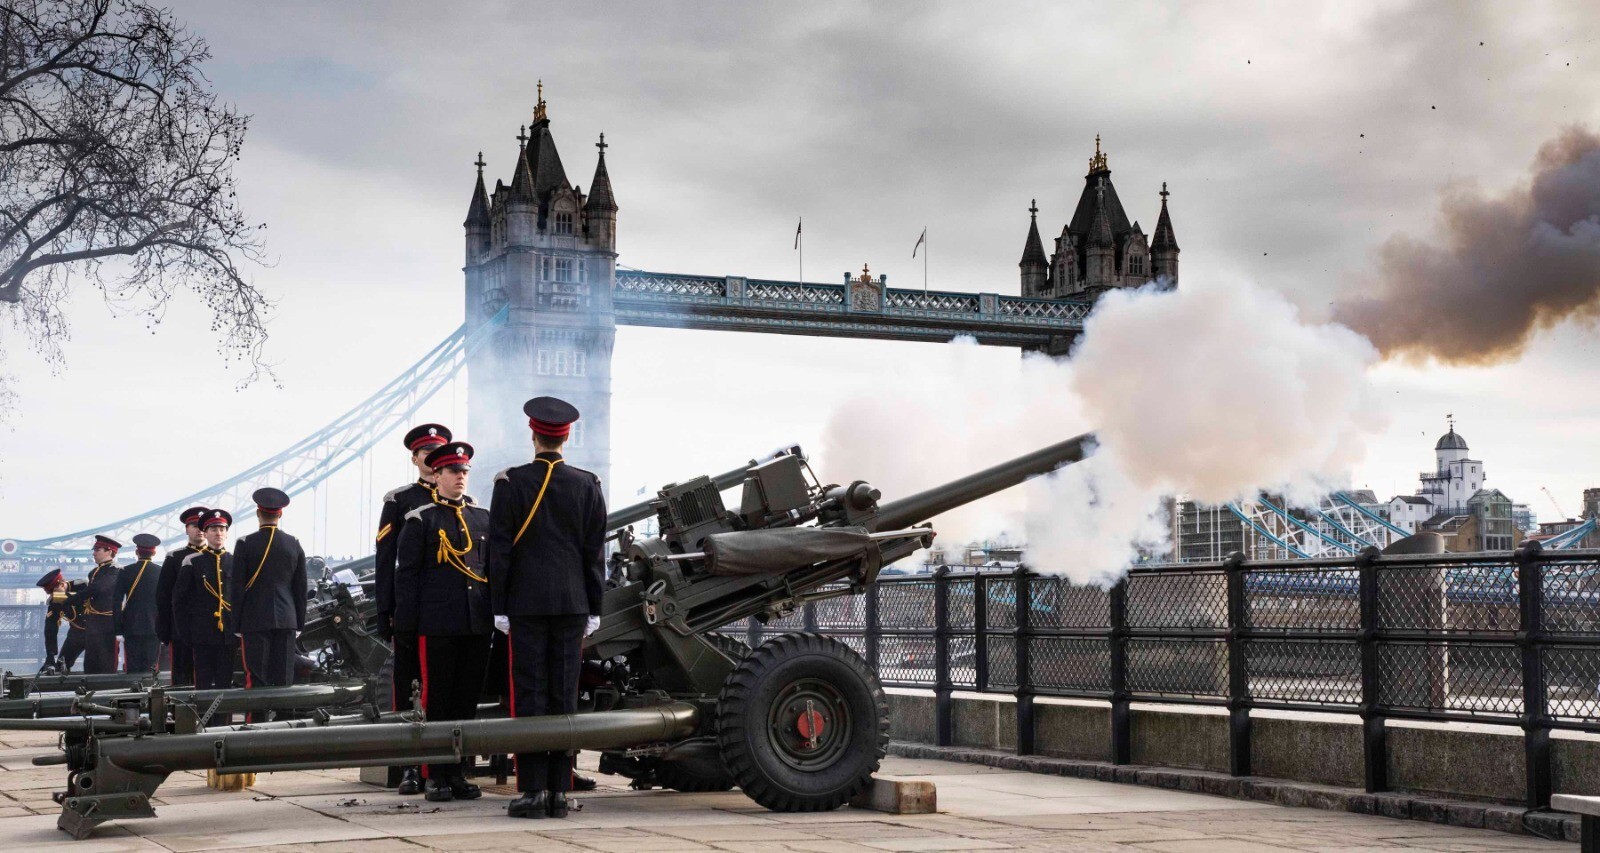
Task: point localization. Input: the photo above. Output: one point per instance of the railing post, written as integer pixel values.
(1238, 672)
(980, 631)
(1121, 735)
(1024, 622)
(1374, 737)
(752, 632)
(943, 726)
(1535, 717)
(871, 627)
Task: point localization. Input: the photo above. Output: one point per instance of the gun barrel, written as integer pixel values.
(379, 743)
(927, 504)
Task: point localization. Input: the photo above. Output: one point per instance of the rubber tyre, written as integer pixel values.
(745, 727)
(677, 776)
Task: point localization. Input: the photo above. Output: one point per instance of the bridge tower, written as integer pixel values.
(545, 253)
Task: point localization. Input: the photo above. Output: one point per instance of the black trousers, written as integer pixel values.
(99, 652)
(545, 654)
(213, 666)
(452, 679)
(72, 647)
(268, 658)
(406, 670)
(180, 660)
(140, 653)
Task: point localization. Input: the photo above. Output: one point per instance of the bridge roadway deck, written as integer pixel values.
(981, 809)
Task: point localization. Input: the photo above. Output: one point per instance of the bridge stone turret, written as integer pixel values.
(543, 254)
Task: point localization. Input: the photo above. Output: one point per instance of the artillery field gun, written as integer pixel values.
(800, 723)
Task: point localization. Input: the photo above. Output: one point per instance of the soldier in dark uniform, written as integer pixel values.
(420, 441)
(441, 595)
(547, 532)
(137, 588)
(172, 631)
(61, 605)
(99, 604)
(268, 594)
(200, 602)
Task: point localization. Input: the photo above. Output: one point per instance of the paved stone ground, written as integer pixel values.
(981, 809)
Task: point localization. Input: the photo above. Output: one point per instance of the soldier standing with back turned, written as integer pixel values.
(138, 585)
(420, 441)
(172, 630)
(268, 594)
(547, 532)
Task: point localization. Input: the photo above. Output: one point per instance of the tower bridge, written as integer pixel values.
(544, 295)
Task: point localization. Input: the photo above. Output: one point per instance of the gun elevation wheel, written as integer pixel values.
(802, 723)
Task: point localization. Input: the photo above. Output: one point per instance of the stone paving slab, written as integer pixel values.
(981, 809)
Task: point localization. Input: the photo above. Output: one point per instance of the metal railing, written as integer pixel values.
(1509, 638)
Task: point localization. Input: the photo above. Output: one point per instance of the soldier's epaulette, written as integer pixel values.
(417, 513)
(586, 471)
(191, 556)
(505, 474)
(395, 492)
(467, 499)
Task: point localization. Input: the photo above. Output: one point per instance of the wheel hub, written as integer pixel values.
(809, 724)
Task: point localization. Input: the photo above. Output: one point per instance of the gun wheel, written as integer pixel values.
(802, 723)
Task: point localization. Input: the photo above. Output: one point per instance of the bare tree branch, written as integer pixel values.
(116, 172)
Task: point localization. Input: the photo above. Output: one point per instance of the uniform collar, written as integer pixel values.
(551, 455)
(199, 549)
(461, 501)
(432, 487)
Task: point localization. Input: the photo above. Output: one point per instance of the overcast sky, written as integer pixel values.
(1294, 139)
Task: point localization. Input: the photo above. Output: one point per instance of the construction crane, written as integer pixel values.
(1559, 510)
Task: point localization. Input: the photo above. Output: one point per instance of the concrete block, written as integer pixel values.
(911, 718)
(1307, 751)
(1432, 811)
(1457, 763)
(1575, 764)
(375, 776)
(1503, 818)
(899, 796)
(1465, 814)
(1199, 741)
(1547, 824)
(974, 722)
(1394, 805)
(1072, 731)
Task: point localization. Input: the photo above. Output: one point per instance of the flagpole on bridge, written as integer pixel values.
(922, 243)
(800, 246)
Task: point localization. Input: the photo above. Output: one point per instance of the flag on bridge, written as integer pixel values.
(920, 241)
(797, 225)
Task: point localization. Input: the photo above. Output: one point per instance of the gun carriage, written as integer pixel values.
(799, 723)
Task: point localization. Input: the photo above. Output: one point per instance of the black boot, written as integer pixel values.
(439, 791)
(558, 804)
(410, 782)
(533, 804)
(581, 782)
(461, 789)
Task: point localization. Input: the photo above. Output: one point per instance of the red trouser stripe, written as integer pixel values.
(422, 660)
(511, 674)
(244, 653)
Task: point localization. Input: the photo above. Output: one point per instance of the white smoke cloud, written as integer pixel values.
(1215, 392)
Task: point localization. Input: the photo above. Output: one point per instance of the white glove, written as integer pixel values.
(592, 625)
(503, 624)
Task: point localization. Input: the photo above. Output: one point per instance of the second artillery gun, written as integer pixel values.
(800, 723)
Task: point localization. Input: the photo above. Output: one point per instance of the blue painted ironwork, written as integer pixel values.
(808, 308)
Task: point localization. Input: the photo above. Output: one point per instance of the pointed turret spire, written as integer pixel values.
(600, 198)
(1033, 249)
(478, 210)
(522, 176)
(1100, 235)
(1163, 239)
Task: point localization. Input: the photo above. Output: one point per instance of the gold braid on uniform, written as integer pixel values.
(449, 554)
(548, 472)
(268, 550)
(222, 601)
(90, 609)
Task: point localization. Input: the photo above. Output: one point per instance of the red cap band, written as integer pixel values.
(548, 429)
(428, 441)
(451, 459)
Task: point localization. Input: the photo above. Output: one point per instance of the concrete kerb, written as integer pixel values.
(1402, 806)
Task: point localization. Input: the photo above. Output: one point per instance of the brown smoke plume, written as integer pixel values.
(1502, 268)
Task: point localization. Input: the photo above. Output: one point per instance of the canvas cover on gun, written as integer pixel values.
(762, 552)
